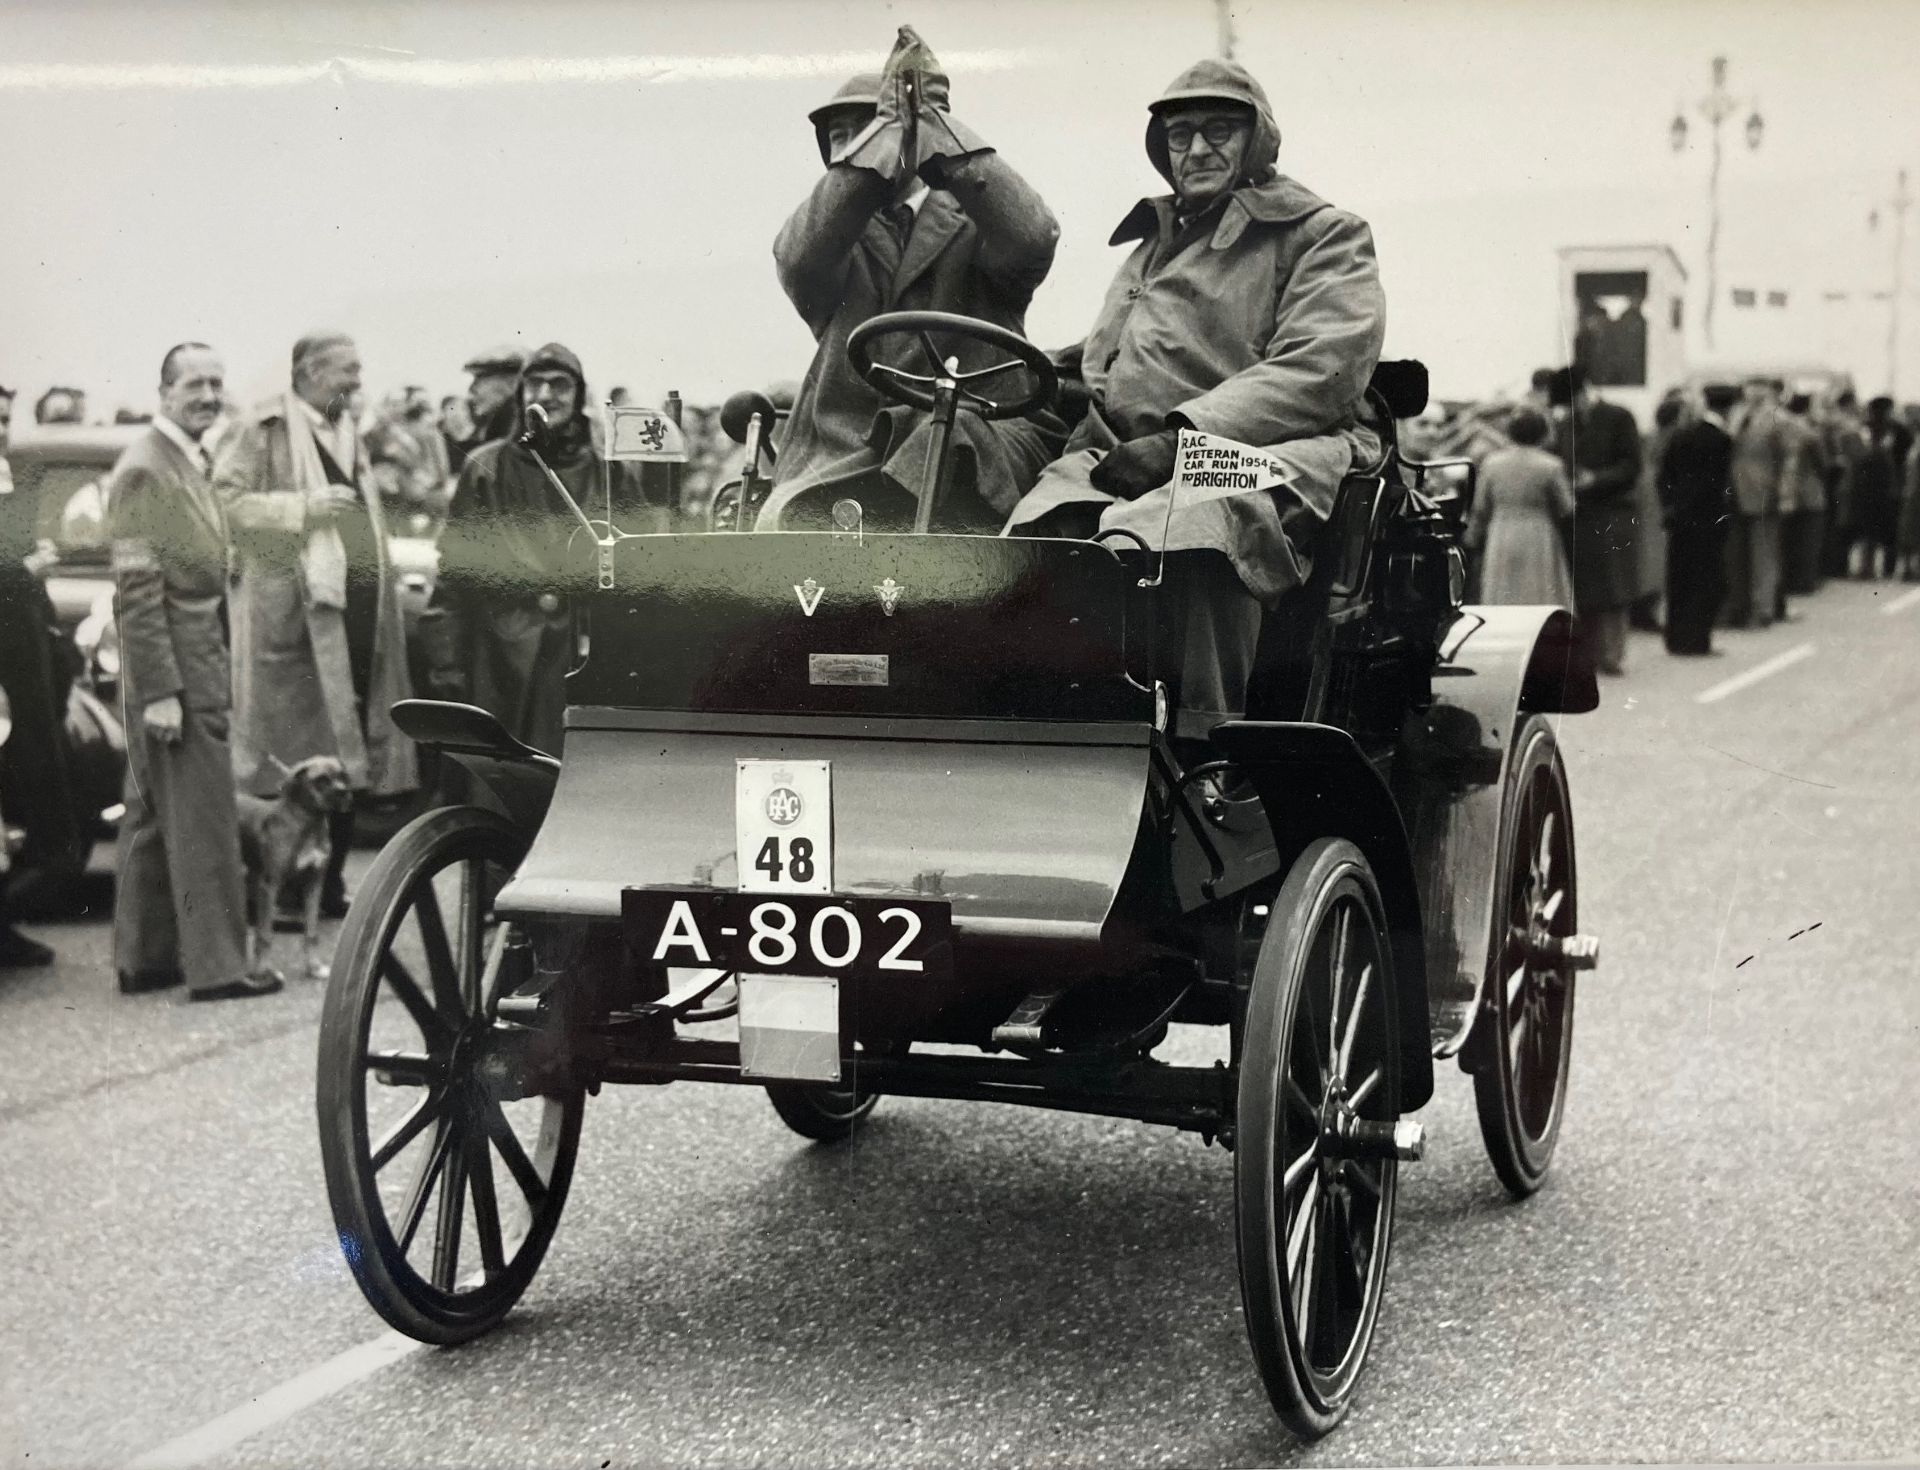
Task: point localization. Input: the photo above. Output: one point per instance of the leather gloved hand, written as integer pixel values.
(941, 140)
(889, 145)
(1132, 469)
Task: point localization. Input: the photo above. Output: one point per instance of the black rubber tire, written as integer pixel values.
(820, 1111)
(1522, 1098)
(464, 1121)
(1297, 982)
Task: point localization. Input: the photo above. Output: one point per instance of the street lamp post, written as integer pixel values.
(1716, 107)
(1902, 198)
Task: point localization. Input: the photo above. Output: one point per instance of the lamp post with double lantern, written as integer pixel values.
(1716, 107)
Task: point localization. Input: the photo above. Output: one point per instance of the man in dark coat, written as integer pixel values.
(1600, 444)
(915, 212)
(510, 542)
(179, 908)
(1696, 495)
(1248, 308)
(1876, 494)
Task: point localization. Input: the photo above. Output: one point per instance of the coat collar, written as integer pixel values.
(273, 411)
(1279, 202)
(939, 220)
(169, 449)
(193, 480)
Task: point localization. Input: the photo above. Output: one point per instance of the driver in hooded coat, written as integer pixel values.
(1251, 309)
(915, 212)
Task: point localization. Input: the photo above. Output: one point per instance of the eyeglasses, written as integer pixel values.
(1218, 131)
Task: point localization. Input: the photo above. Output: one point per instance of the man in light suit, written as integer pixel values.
(1760, 491)
(179, 913)
(319, 648)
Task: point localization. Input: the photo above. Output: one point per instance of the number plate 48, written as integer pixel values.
(783, 826)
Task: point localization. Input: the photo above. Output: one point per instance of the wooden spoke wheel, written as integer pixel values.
(446, 1178)
(1315, 1168)
(1525, 1030)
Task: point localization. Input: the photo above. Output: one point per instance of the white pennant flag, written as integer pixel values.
(1207, 467)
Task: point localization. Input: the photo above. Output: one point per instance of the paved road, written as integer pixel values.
(1723, 1266)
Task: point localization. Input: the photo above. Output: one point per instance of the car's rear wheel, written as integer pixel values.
(821, 1112)
(1524, 1042)
(1315, 1169)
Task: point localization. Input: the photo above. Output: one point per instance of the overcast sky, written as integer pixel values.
(437, 177)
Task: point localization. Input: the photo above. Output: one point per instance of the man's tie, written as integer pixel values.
(899, 218)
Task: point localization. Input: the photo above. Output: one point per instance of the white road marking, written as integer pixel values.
(1901, 603)
(281, 1402)
(1754, 675)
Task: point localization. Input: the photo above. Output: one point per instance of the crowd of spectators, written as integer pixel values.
(294, 645)
(1737, 498)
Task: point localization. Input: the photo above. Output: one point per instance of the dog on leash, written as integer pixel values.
(283, 846)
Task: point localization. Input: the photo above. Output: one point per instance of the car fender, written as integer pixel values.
(519, 777)
(1449, 771)
(1314, 781)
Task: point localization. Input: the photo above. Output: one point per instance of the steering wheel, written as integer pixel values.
(917, 389)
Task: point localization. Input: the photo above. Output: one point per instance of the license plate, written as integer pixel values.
(791, 933)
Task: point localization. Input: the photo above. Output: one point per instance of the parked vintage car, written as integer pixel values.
(59, 472)
(62, 470)
(832, 799)
(1818, 380)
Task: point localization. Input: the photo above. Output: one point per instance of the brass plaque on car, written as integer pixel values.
(847, 668)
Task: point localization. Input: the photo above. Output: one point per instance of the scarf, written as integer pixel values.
(323, 560)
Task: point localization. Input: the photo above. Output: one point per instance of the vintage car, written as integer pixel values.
(831, 800)
(59, 472)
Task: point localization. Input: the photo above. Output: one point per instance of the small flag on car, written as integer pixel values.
(645, 434)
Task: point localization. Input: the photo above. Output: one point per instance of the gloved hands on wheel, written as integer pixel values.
(1140, 465)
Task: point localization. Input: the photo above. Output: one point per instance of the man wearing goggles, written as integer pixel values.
(1251, 309)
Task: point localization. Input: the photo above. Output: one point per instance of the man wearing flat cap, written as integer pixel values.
(915, 212)
(319, 653)
(1248, 308)
(490, 399)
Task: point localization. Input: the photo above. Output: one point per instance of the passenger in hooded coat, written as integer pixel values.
(1249, 308)
(915, 212)
(513, 553)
